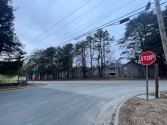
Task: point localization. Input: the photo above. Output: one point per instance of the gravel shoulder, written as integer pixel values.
(138, 111)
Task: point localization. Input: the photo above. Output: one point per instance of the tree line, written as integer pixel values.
(141, 34)
(86, 54)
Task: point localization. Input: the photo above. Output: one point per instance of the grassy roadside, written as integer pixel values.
(138, 111)
(11, 82)
(6, 79)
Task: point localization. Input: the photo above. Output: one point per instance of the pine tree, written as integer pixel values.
(10, 46)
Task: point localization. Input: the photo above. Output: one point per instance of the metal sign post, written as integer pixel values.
(157, 94)
(147, 82)
(35, 68)
(147, 58)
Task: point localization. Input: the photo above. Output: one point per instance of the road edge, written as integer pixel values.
(116, 120)
(23, 87)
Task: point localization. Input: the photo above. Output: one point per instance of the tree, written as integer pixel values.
(37, 60)
(67, 58)
(142, 34)
(52, 60)
(102, 42)
(90, 41)
(81, 54)
(10, 47)
(25, 69)
(49, 57)
(45, 60)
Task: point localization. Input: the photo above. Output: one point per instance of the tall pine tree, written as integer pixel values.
(11, 52)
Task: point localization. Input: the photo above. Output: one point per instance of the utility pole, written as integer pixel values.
(161, 27)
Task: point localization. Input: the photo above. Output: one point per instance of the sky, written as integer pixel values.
(43, 23)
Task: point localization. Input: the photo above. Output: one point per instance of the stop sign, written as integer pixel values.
(147, 58)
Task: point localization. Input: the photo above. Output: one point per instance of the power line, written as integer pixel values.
(113, 22)
(98, 19)
(105, 25)
(70, 14)
(100, 3)
(93, 30)
(104, 16)
(126, 15)
(108, 24)
(83, 13)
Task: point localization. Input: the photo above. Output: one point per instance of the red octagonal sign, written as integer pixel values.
(147, 58)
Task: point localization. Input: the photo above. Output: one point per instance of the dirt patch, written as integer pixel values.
(17, 86)
(138, 111)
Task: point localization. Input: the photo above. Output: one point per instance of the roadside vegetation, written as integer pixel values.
(11, 48)
(137, 111)
(5, 79)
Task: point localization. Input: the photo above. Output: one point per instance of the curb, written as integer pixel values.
(116, 121)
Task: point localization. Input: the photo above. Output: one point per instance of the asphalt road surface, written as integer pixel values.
(68, 102)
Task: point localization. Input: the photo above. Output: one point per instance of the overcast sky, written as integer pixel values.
(68, 18)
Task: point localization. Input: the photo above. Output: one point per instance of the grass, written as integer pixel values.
(8, 79)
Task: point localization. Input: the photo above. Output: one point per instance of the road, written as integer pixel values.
(68, 102)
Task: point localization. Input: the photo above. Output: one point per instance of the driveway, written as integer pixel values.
(68, 102)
